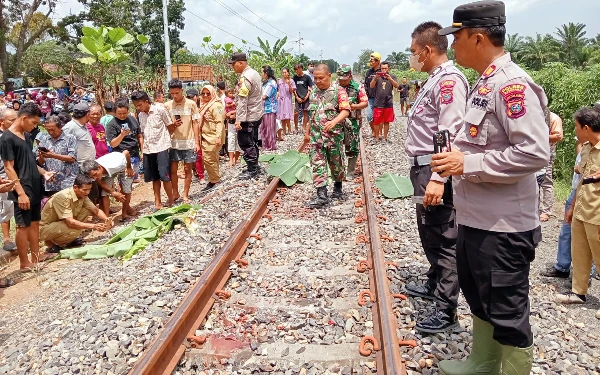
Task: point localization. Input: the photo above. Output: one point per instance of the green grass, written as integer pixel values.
(562, 190)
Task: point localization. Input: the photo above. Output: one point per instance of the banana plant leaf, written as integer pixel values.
(287, 166)
(269, 158)
(394, 186)
(135, 237)
(305, 174)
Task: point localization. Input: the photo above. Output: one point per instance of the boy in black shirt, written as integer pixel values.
(20, 165)
(304, 86)
(123, 134)
(404, 90)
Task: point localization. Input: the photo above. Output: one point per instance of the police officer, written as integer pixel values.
(440, 105)
(248, 112)
(328, 110)
(504, 141)
(357, 97)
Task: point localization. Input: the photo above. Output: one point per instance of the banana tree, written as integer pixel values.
(106, 48)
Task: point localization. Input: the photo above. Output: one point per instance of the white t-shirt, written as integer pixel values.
(114, 163)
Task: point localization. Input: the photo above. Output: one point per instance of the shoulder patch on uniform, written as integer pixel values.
(447, 88)
(514, 96)
(488, 72)
(473, 131)
(484, 90)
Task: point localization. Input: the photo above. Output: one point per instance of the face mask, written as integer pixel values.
(414, 63)
(311, 70)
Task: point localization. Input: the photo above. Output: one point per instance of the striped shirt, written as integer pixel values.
(154, 129)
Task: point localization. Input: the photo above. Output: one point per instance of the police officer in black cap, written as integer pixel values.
(503, 143)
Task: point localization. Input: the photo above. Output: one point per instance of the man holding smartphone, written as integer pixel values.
(434, 120)
(383, 107)
(185, 139)
(123, 134)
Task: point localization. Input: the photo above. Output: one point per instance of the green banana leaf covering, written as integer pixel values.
(394, 186)
(135, 237)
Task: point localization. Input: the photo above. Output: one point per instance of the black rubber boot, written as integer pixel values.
(337, 191)
(320, 200)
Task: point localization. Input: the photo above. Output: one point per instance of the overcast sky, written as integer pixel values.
(342, 28)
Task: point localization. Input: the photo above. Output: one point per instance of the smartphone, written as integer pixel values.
(381, 74)
(590, 180)
(43, 149)
(441, 141)
(177, 117)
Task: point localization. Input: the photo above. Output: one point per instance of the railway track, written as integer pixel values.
(293, 290)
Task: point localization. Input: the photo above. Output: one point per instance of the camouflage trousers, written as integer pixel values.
(353, 149)
(326, 149)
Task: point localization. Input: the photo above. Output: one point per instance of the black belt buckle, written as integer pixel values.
(415, 161)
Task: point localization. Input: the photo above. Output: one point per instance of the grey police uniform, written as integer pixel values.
(505, 142)
(249, 112)
(440, 105)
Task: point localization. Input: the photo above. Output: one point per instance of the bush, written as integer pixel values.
(568, 90)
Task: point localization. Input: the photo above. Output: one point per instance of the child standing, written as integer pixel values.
(583, 217)
(233, 148)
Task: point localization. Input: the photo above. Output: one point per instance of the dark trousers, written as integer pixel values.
(493, 270)
(438, 231)
(247, 139)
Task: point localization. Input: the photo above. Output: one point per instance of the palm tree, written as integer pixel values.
(398, 60)
(271, 54)
(571, 38)
(595, 42)
(536, 52)
(514, 45)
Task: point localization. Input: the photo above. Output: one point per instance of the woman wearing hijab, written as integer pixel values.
(212, 115)
(268, 128)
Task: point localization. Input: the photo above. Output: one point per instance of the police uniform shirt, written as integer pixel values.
(505, 141)
(249, 103)
(442, 108)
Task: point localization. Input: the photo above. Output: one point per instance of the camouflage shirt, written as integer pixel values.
(356, 94)
(326, 104)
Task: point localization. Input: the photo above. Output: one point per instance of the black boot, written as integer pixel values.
(438, 321)
(320, 200)
(337, 191)
(252, 172)
(423, 291)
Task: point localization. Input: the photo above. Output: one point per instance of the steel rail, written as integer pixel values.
(163, 354)
(384, 319)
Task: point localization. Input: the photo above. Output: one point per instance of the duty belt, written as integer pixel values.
(419, 161)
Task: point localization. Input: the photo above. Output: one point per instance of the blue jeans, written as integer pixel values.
(563, 256)
(370, 109)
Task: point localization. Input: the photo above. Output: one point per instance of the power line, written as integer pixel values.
(243, 18)
(262, 19)
(225, 31)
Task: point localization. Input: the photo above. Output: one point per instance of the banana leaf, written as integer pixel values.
(305, 174)
(268, 158)
(135, 237)
(394, 186)
(287, 166)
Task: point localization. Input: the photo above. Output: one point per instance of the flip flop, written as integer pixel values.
(5, 283)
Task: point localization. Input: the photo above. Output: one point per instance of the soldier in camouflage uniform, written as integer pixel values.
(357, 97)
(328, 109)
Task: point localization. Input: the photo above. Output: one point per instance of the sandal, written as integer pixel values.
(5, 283)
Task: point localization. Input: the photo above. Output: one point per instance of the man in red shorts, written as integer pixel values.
(383, 110)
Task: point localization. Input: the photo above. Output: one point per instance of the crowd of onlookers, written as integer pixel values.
(59, 167)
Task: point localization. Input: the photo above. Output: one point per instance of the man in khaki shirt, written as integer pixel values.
(583, 214)
(64, 215)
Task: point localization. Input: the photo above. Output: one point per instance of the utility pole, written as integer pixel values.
(167, 43)
(299, 41)
(321, 56)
